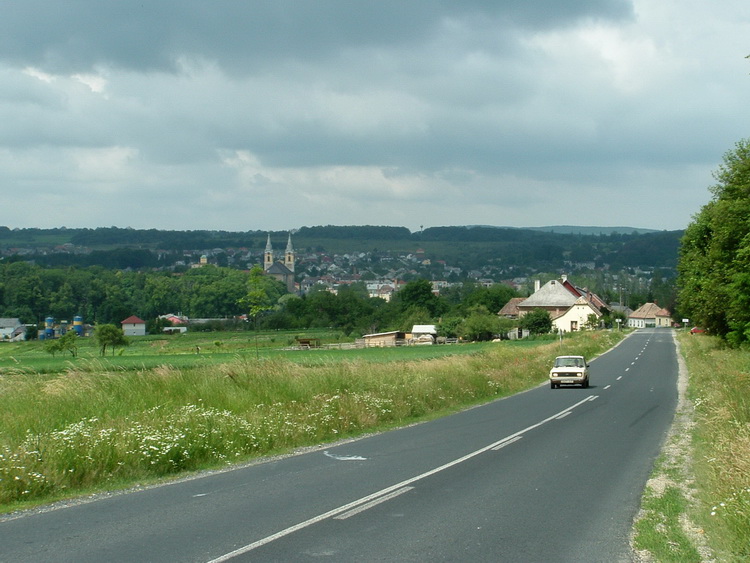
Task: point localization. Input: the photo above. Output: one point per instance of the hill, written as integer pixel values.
(505, 249)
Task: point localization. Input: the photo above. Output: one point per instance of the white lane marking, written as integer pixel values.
(345, 457)
(563, 415)
(507, 443)
(372, 503)
(607, 387)
(200, 495)
(619, 378)
(354, 504)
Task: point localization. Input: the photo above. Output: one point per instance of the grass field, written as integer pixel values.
(201, 349)
(70, 426)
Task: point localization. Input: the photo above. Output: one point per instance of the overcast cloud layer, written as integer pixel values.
(272, 115)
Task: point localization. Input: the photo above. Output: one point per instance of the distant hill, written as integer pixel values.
(579, 230)
(512, 250)
(572, 230)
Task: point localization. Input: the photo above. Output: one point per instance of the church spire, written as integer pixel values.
(268, 254)
(289, 254)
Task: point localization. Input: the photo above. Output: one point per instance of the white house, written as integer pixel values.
(133, 326)
(649, 315)
(576, 317)
(568, 306)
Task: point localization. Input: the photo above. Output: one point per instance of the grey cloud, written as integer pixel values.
(275, 114)
(80, 34)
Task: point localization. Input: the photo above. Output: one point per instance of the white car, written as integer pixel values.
(569, 370)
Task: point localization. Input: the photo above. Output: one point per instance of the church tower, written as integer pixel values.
(289, 254)
(268, 254)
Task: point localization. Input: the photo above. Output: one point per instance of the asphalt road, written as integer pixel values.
(546, 475)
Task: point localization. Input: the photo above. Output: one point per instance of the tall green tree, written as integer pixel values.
(109, 336)
(418, 294)
(258, 299)
(714, 263)
(537, 321)
(481, 324)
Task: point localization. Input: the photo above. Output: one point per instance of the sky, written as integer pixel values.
(274, 115)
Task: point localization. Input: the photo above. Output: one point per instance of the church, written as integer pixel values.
(281, 270)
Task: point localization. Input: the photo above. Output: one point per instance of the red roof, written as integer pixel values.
(133, 320)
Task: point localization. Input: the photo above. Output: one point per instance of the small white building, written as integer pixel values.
(133, 326)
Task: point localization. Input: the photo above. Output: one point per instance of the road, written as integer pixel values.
(546, 475)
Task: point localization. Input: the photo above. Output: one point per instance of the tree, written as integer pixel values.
(418, 293)
(109, 335)
(537, 321)
(66, 343)
(714, 262)
(493, 297)
(480, 324)
(257, 299)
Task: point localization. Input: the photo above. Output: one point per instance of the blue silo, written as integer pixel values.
(78, 324)
(49, 327)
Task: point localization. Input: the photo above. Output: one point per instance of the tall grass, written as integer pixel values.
(720, 389)
(95, 426)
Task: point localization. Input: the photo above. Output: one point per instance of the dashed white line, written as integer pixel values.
(507, 443)
(372, 503)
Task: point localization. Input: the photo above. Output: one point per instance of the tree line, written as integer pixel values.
(714, 261)
(32, 293)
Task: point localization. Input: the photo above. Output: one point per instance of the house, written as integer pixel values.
(133, 326)
(569, 307)
(649, 315)
(576, 317)
(176, 320)
(12, 329)
(510, 310)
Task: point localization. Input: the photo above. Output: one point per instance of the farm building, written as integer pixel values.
(382, 339)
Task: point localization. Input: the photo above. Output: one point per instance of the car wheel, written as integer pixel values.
(552, 385)
(585, 384)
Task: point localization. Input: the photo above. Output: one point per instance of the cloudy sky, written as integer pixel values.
(277, 114)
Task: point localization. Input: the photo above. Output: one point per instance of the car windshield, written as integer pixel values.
(568, 363)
